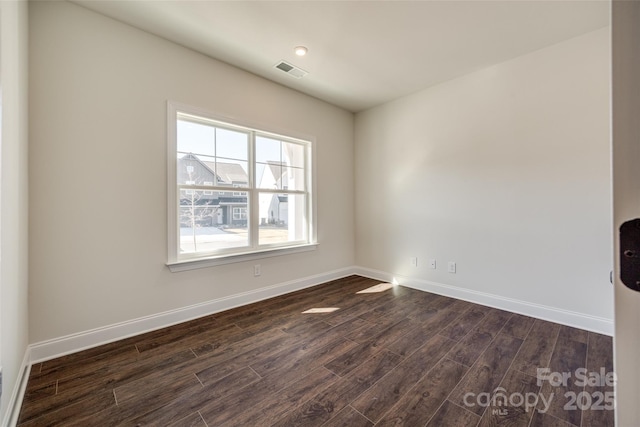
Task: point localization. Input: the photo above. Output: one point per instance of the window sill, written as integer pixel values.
(193, 264)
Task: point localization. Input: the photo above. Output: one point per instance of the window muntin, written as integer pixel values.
(237, 190)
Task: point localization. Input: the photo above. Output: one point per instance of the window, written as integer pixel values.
(208, 184)
(239, 213)
(235, 190)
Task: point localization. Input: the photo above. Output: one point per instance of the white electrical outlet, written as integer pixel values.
(256, 270)
(451, 267)
(432, 264)
(413, 261)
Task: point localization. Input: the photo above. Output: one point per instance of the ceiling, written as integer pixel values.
(361, 53)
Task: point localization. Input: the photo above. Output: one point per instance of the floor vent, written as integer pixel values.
(292, 70)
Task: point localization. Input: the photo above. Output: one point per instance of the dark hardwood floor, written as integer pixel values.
(397, 357)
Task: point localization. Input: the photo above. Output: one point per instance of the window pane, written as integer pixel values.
(282, 218)
(293, 154)
(267, 150)
(231, 173)
(293, 179)
(211, 222)
(195, 138)
(232, 145)
(195, 170)
(269, 175)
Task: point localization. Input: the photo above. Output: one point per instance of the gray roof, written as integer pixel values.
(228, 172)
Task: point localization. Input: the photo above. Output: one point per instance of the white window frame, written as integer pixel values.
(181, 262)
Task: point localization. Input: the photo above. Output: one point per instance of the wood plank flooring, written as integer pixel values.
(400, 357)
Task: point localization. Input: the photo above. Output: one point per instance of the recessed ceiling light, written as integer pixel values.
(300, 50)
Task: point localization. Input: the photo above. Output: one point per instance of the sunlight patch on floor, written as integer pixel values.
(321, 310)
(380, 287)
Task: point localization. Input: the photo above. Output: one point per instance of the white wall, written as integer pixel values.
(98, 92)
(504, 171)
(14, 197)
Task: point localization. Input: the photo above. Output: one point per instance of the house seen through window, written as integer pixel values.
(238, 190)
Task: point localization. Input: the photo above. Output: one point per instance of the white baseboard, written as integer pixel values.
(570, 318)
(17, 395)
(57, 347)
(50, 349)
(76, 342)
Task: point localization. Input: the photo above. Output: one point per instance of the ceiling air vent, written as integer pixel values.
(292, 70)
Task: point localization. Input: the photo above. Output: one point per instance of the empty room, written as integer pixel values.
(319, 213)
